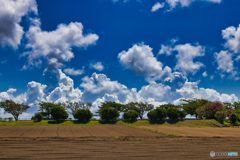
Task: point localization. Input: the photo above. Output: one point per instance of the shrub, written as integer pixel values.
(231, 115)
(33, 118)
(108, 114)
(220, 115)
(59, 113)
(5, 119)
(10, 119)
(157, 114)
(152, 115)
(38, 117)
(209, 110)
(173, 113)
(83, 115)
(130, 115)
(182, 114)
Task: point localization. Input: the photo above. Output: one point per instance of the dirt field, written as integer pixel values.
(109, 142)
(197, 132)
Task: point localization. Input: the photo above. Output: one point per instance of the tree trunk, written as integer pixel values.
(140, 117)
(16, 118)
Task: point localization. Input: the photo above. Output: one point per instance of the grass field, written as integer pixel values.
(185, 123)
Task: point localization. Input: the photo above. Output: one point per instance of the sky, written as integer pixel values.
(154, 51)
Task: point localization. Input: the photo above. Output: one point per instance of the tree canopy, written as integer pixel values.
(45, 108)
(192, 105)
(139, 107)
(75, 106)
(13, 108)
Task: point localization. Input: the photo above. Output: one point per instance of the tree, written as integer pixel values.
(13, 108)
(141, 107)
(109, 114)
(38, 117)
(157, 114)
(192, 105)
(173, 113)
(59, 113)
(130, 115)
(74, 106)
(83, 115)
(209, 109)
(114, 105)
(45, 108)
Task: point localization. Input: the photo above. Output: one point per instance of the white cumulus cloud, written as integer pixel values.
(98, 66)
(11, 13)
(56, 46)
(186, 3)
(204, 74)
(72, 71)
(185, 56)
(157, 6)
(141, 61)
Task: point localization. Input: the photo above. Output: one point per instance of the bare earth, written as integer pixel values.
(115, 142)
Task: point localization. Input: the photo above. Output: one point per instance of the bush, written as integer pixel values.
(33, 118)
(38, 117)
(108, 114)
(157, 114)
(220, 115)
(10, 119)
(153, 115)
(5, 119)
(130, 115)
(59, 113)
(209, 110)
(182, 114)
(173, 113)
(83, 115)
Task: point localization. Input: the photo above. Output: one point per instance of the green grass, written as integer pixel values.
(186, 123)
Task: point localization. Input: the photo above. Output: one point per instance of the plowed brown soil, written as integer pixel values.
(113, 142)
(197, 132)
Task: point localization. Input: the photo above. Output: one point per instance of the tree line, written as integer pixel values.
(110, 111)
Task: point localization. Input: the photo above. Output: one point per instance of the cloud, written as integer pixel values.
(225, 63)
(65, 89)
(140, 60)
(224, 60)
(35, 92)
(204, 74)
(232, 37)
(98, 88)
(72, 71)
(11, 13)
(98, 66)
(185, 56)
(186, 3)
(157, 6)
(56, 46)
(98, 85)
(191, 90)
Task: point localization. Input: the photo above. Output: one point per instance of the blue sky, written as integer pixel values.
(119, 50)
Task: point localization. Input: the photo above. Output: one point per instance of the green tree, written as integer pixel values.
(13, 108)
(173, 113)
(45, 108)
(38, 117)
(74, 106)
(114, 105)
(83, 115)
(157, 114)
(58, 113)
(109, 114)
(130, 115)
(192, 105)
(139, 107)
